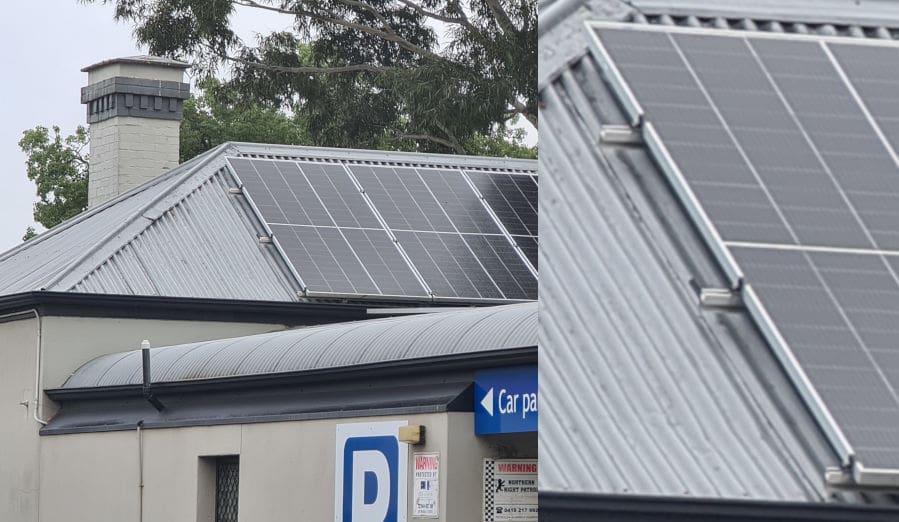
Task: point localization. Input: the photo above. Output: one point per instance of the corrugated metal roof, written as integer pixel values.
(204, 246)
(642, 391)
(330, 346)
(185, 234)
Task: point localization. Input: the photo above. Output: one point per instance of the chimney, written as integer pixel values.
(134, 108)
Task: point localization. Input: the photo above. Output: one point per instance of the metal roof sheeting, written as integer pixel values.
(642, 391)
(204, 246)
(34, 264)
(329, 346)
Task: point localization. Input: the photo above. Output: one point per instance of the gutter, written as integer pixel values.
(577, 507)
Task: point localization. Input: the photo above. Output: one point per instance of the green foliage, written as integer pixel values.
(221, 114)
(365, 73)
(504, 143)
(30, 232)
(58, 167)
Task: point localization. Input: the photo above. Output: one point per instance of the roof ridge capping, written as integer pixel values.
(382, 156)
(185, 169)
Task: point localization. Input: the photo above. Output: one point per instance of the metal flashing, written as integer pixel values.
(613, 76)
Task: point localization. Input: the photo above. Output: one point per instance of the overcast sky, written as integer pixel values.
(43, 46)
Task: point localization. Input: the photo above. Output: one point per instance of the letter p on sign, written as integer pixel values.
(370, 473)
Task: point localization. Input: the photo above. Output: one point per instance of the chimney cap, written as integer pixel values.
(140, 60)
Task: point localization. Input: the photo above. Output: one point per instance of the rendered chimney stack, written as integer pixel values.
(134, 108)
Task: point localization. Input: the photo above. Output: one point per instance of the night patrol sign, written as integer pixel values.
(370, 471)
(505, 400)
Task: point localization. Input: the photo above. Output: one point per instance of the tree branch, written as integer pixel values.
(333, 18)
(460, 20)
(522, 109)
(307, 69)
(502, 18)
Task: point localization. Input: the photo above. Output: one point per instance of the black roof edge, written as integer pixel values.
(388, 369)
(576, 507)
(185, 308)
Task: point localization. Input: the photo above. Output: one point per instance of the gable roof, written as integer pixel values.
(662, 396)
(185, 234)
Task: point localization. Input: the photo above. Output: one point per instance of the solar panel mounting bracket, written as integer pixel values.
(720, 298)
(620, 135)
(874, 477)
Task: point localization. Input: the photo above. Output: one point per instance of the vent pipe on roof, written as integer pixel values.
(147, 382)
(134, 108)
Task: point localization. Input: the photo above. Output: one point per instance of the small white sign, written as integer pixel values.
(510, 490)
(426, 496)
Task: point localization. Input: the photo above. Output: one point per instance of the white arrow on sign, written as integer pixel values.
(487, 402)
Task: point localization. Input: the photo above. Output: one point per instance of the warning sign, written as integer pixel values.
(510, 490)
(426, 496)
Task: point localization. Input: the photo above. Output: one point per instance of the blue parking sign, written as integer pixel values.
(505, 400)
(371, 472)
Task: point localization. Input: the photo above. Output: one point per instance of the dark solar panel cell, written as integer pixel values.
(258, 190)
(513, 199)
(528, 245)
(459, 201)
(339, 195)
(447, 265)
(504, 265)
(324, 260)
(402, 198)
(385, 265)
(295, 195)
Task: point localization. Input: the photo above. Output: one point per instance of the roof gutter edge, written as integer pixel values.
(72, 304)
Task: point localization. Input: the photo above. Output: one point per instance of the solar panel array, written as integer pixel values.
(396, 231)
(784, 149)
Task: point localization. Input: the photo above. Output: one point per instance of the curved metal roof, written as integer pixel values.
(328, 346)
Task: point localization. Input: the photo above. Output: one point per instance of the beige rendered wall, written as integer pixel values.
(286, 469)
(18, 431)
(67, 342)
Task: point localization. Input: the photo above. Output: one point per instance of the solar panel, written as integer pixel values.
(782, 149)
(352, 229)
(839, 314)
(445, 226)
(513, 197)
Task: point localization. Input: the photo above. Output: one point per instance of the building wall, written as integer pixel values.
(19, 478)
(127, 152)
(67, 343)
(286, 470)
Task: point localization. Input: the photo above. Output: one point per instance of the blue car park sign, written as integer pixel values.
(505, 400)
